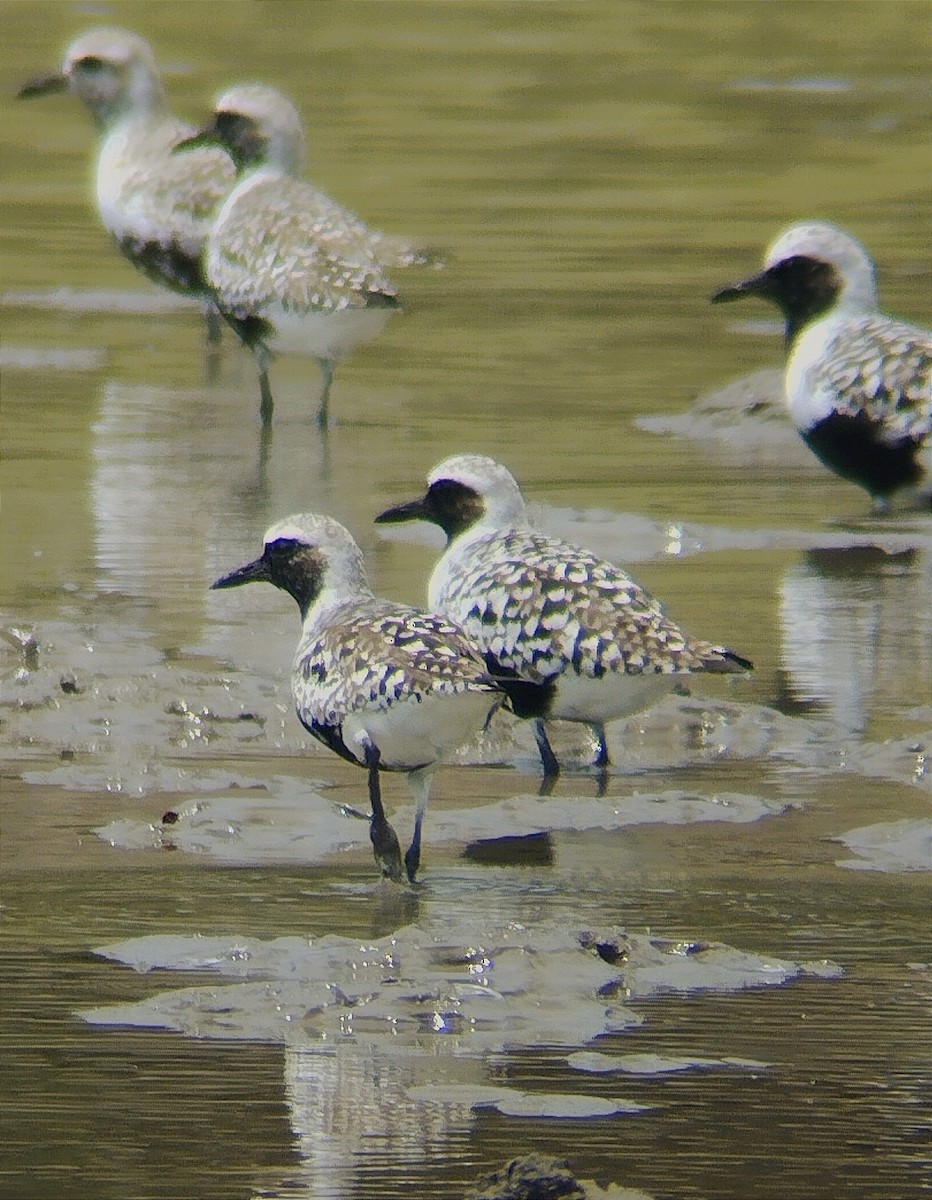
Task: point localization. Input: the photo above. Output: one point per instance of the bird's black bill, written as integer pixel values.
(254, 572)
(207, 136)
(45, 85)
(236, 133)
(761, 282)
(414, 510)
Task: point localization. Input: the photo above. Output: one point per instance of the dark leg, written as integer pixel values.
(214, 327)
(547, 757)
(413, 853)
(327, 367)
(548, 784)
(265, 391)
(384, 842)
(265, 397)
(419, 782)
(265, 450)
(601, 755)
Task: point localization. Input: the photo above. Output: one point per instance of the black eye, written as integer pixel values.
(232, 126)
(91, 63)
(283, 549)
(241, 136)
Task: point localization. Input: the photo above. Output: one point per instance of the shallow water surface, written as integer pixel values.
(703, 977)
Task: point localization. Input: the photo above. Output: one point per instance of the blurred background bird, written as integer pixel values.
(158, 207)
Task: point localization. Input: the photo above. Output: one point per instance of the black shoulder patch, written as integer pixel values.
(165, 263)
(332, 738)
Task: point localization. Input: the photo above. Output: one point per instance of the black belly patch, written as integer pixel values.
(165, 263)
(852, 448)
(525, 698)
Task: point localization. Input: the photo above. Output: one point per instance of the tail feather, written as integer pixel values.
(420, 256)
(726, 662)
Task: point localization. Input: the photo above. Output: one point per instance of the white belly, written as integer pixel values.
(329, 335)
(615, 695)
(412, 734)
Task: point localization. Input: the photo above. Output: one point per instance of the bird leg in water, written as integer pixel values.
(327, 367)
(214, 324)
(384, 841)
(547, 756)
(212, 346)
(601, 746)
(419, 782)
(265, 391)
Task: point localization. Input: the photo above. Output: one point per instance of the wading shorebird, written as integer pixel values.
(592, 641)
(291, 270)
(858, 383)
(157, 207)
(385, 686)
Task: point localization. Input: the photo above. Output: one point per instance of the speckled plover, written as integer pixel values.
(858, 383)
(595, 644)
(383, 685)
(157, 206)
(292, 270)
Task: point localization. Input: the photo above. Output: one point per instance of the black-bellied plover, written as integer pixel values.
(383, 685)
(858, 383)
(292, 270)
(595, 644)
(157, 206)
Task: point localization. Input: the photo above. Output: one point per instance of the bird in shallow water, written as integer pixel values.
(157, 207)
(594, 644)
(291, 270)
(383, 685)
(858, 383)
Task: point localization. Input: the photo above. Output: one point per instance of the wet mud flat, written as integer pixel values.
(703, 976)
(688, 946)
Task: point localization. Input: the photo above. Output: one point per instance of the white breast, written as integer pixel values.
(808, 397)
(457, 560)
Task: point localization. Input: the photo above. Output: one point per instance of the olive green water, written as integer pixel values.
(594, 171)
